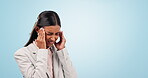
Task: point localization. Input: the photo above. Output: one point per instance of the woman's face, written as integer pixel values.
(51, 34)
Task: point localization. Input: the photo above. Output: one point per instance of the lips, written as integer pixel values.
(51, 42)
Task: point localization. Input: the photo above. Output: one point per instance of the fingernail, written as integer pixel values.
(41, 28)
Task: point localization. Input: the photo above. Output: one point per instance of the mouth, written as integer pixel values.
(51, 42)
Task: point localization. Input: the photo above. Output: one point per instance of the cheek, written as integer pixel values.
(47, 37)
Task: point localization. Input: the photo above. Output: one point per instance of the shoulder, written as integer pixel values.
(20, 51)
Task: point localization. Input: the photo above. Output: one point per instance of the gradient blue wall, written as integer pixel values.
(105, 38)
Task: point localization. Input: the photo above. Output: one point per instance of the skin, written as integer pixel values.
(48, 35)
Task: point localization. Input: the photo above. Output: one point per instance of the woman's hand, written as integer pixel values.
(61, 44)
(40, 41)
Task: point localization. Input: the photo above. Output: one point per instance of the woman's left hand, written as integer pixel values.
(61, 44)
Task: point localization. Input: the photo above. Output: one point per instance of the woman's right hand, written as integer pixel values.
(40, 41)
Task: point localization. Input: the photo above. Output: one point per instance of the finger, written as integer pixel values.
(62, 36)
(43, 34)
(40, 35)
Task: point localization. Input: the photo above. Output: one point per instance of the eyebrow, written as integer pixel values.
(52, 32)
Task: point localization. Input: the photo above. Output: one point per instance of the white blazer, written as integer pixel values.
(33, 62)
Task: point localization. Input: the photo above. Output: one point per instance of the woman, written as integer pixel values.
(42, 56)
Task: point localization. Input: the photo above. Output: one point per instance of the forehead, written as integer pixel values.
(52, 28)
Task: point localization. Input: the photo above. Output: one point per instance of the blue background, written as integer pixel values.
(105, 38)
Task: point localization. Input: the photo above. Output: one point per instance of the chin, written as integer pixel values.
(49, 45)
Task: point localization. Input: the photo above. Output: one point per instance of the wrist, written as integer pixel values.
(60, 48)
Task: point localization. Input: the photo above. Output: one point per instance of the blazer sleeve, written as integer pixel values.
(30, 70)
(68, 69)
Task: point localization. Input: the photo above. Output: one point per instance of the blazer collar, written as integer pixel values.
(33, 47)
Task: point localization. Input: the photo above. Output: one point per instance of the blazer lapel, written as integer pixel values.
(55, 61)
(33, 49)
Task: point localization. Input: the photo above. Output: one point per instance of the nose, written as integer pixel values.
(53, 38)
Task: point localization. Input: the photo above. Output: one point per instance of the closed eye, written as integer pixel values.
(49, 33)
(57, 33)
